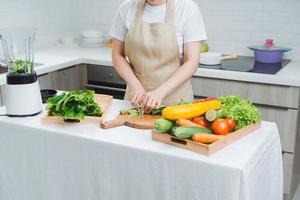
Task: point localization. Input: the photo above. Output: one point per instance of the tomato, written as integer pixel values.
(198, 100)
(201, 121)
(220, 127)
(209, 98)
(231, 123)
(205, 99)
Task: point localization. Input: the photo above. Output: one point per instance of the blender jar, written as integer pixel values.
(18, 50)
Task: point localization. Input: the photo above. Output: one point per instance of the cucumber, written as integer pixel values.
(186, 132)
(173, 130)
(211, 115)
(163, 125)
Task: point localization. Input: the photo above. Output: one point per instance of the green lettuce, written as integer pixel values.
(74, 105)
(242, 111)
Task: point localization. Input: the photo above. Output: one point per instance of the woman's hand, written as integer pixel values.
(152, 100)
(138, 95)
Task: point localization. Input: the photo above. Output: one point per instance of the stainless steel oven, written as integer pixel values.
(105, 80)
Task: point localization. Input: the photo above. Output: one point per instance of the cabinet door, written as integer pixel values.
(286, 120)
(45, 81)
(288, 163)
(65, 79)
(0, 97)
(83, 80)
(69, 79)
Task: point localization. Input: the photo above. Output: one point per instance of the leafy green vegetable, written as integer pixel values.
(157, 111)
(242, 111)
(183, 102)
(74, 105)
(138, 111)
(20, 66)
(132, 112)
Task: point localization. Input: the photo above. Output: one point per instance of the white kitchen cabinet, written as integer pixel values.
(276, 103)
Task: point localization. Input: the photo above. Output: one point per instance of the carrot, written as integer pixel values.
(206, 138)
(186, 122)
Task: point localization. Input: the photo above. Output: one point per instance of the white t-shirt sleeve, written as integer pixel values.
(118, 28)
(194, 29)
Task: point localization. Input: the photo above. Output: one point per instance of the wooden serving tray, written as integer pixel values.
(104, 102)
(204, 148)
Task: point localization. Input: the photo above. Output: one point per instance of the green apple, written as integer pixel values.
(204, 47)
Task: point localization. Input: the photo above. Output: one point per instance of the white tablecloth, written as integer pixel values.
(84, 162)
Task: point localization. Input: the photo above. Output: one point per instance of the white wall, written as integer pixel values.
(234, 24)
(231, 24)
(87, 14)
(50, 17)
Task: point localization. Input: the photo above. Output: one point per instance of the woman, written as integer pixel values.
(156, 49)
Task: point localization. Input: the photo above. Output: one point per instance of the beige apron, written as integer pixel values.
(153, 54)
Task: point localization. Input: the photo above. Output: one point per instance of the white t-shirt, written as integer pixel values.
(188, 20)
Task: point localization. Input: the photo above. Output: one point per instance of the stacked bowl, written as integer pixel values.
(91, 39)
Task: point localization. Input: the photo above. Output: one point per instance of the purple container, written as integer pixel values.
(267, 54)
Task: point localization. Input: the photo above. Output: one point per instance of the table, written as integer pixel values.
(76, 162)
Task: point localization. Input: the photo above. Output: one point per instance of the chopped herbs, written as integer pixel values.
(138, 111)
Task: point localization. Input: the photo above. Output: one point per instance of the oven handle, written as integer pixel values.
(105, 87)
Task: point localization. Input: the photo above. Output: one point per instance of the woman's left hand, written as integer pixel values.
(152, 100)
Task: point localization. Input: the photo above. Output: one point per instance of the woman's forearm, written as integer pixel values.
(124, 70)
(122, 66)
(184, 72)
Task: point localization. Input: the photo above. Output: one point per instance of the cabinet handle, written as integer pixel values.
(105, 88)
(42, 74)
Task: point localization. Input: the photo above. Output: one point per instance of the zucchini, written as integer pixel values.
(163, 125)
(185, 132)
(173, 130)
(189, 111)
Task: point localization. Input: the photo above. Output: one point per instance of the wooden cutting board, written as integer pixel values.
(104, 102)
(139, 122)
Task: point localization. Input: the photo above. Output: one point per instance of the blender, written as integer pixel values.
(22, 96)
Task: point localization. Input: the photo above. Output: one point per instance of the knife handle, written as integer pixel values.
(112, 123)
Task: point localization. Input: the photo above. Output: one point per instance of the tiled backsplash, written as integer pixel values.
(231, 25)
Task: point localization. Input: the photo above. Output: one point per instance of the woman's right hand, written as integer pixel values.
(138, 95)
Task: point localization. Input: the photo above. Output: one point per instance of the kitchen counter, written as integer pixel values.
(60, 57)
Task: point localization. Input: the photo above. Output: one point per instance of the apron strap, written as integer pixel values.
(170, 15)
(140, 9)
